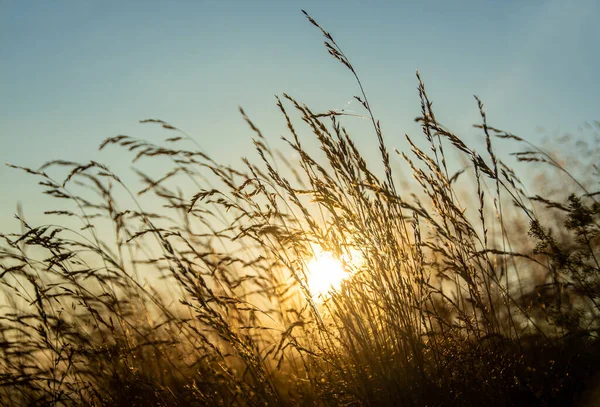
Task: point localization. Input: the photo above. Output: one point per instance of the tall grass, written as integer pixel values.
(462, 289)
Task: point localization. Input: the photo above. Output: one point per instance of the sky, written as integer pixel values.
(73, 73)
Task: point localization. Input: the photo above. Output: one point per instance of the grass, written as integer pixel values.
(469, 290)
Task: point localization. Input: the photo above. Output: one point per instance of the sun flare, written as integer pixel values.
(325, 274)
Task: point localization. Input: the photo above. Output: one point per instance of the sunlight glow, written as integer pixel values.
(325, 274)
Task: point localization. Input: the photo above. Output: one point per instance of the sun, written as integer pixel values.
(325, 273)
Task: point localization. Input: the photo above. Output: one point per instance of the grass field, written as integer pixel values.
(328, 279)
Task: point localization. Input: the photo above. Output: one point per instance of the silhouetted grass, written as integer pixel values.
(467, 290)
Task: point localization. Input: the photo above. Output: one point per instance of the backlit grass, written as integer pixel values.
(464, 286)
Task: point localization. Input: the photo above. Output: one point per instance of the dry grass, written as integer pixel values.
(469, 290)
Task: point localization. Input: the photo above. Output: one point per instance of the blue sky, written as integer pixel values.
(75, 72)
